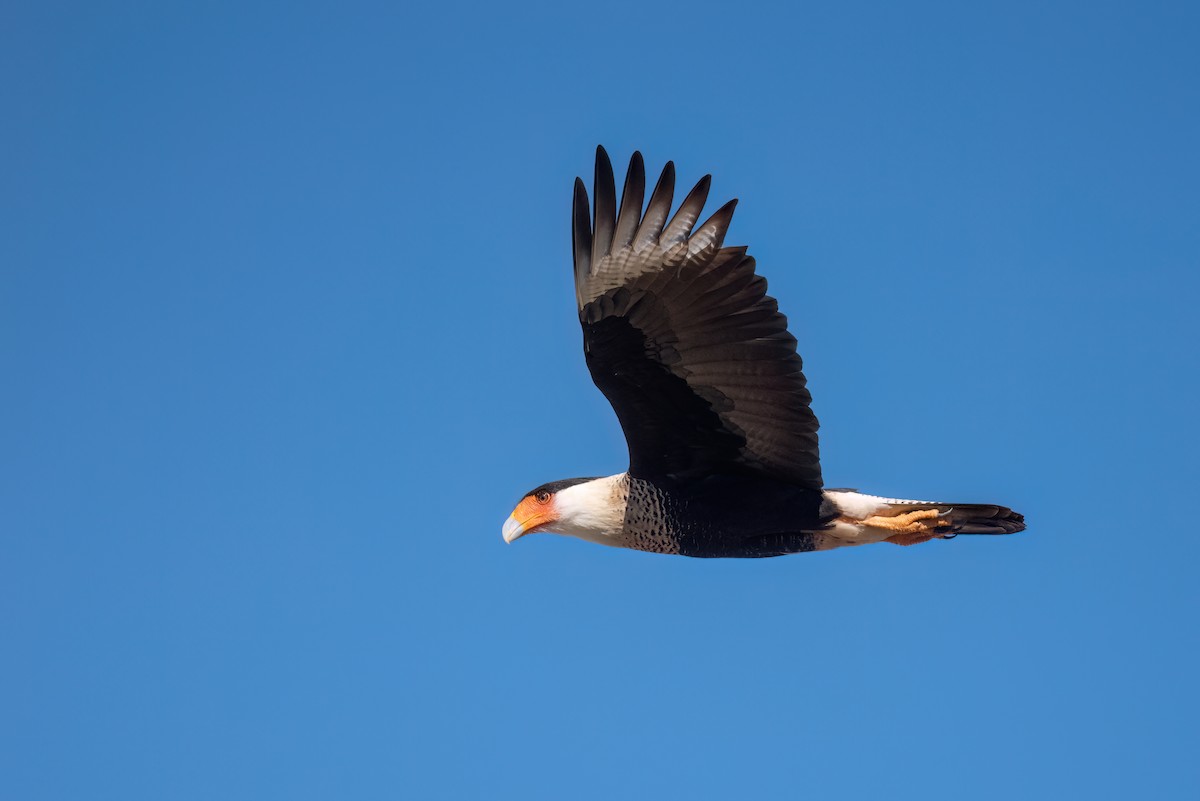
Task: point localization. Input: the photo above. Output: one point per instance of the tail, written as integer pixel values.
(962, 518)
(910, 522)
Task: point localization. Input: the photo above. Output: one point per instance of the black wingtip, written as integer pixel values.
(636, 174)
(604, 208)
(632, 194)
(725, 213)
(658, 209)
(710, 235)
(580, 195)
(603, 162)
(581, 229)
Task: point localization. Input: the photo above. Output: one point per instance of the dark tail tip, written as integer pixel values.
(988, 520)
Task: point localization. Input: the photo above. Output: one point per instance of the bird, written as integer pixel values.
(695, 357)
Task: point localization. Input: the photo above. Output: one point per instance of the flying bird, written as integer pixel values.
(696, 359)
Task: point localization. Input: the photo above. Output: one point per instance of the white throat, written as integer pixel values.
(593, 511)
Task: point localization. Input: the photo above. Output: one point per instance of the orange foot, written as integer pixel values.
(912, 528)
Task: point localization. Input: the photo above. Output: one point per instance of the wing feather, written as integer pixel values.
(631, 204)
(657, 209)
(708, 237)
(680, 226)
(606, 206)
(581, 236)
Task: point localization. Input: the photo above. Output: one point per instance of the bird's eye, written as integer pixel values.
(543, 497)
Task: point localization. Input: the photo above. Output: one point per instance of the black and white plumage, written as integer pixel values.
(697, 362)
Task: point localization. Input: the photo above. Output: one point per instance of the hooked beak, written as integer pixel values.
(513, 530)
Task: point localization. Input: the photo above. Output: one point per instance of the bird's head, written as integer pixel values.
(571, 506)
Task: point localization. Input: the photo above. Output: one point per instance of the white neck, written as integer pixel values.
(593, 511)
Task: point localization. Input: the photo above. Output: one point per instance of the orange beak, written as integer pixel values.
(529, 516)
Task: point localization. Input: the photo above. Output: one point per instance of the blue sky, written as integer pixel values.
(287, 328)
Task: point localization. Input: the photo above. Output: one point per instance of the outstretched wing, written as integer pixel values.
(682, 338)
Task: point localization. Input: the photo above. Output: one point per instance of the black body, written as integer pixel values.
(723, 516)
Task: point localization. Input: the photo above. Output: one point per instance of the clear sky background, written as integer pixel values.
(287, 328)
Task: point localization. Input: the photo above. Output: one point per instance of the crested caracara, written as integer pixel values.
(696, 359)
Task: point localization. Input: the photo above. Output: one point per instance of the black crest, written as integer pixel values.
(555, 486)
